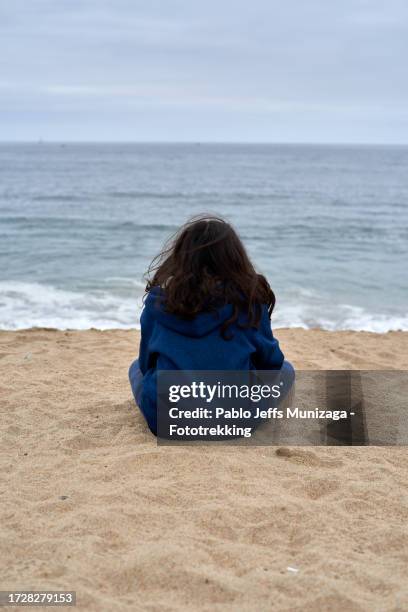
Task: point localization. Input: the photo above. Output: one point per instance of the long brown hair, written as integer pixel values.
(205, 266)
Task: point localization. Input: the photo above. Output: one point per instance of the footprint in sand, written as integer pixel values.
(307, 458)
(319, 488)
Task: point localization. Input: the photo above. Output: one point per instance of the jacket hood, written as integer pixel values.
(202, 324)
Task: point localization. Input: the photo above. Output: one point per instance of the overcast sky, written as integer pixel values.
(218, 70)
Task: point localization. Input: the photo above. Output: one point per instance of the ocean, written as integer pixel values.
(79, 224)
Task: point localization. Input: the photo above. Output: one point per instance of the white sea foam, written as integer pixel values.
(24, 305)
(336, 318)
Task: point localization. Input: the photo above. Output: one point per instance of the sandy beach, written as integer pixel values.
(90, 502)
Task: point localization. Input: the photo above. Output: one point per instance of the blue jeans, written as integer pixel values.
(287, 376)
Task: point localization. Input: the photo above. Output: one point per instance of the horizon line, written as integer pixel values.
(44, 141)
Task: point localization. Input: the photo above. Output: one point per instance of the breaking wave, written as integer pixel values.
(24, 305)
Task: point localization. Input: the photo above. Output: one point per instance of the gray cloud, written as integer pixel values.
(226, 70)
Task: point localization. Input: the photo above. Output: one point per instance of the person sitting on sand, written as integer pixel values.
(206, 308)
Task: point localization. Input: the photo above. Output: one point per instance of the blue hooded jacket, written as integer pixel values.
(169, 342)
